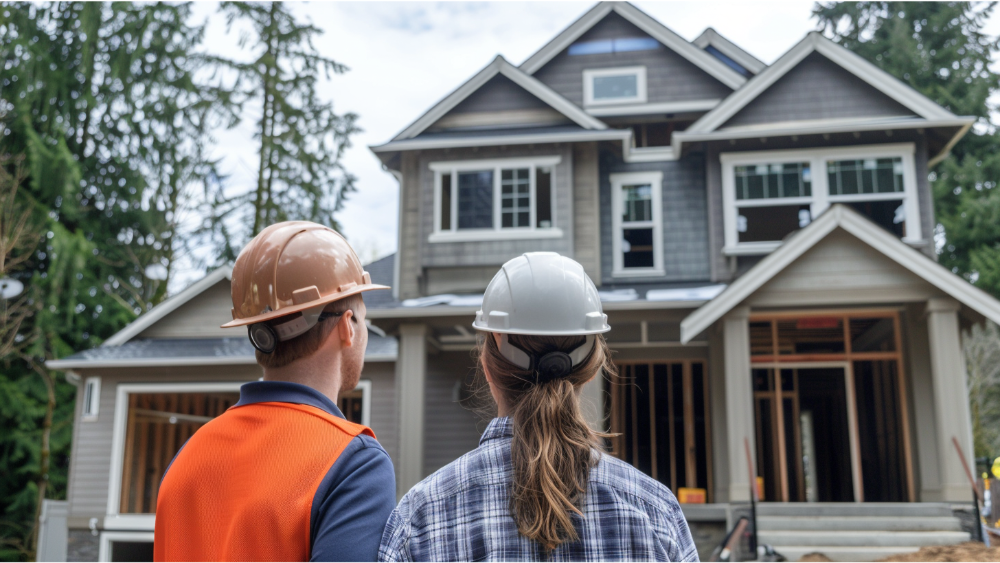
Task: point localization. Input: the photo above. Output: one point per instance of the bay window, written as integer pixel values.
(637, 230)
(768, 195)
(494, 199)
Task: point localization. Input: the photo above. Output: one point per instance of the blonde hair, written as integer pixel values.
(553, 446)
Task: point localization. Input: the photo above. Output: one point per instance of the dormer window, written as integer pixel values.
(623, 85)
(494, 199)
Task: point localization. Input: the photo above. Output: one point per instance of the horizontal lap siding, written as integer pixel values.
(92, 441)
(200, 317)
(670, 77)
(499, 94)
(493, 253)
(685, 221)
(817, 88)
(450, 429)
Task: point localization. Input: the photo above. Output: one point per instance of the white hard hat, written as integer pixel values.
(542, 294)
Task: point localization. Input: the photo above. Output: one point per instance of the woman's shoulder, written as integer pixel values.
(623, 478)
(481, 466)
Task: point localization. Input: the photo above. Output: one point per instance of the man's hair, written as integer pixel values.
(306, 344)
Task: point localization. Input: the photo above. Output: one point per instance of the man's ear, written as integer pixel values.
(345, 329)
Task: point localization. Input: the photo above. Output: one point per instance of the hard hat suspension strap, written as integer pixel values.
(552, 365)
(265, 336)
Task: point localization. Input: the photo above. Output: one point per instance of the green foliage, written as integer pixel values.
(302, 140)
(982, 356)
(939, 49)
(103, 103)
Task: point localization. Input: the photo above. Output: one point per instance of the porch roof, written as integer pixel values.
(842, 217)
(158, 352)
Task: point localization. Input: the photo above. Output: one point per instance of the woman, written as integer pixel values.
(538, 487)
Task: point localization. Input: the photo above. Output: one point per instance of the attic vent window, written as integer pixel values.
(622, 85)
(617, 45)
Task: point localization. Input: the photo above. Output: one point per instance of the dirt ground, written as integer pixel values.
(969, 551)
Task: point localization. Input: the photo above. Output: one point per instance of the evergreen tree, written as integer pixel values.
(939, 49)
(102, 102)
(302, 140)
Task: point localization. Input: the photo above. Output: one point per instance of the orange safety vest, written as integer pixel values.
(242, 488)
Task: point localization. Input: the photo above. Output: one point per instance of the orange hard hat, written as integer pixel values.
(294, 267)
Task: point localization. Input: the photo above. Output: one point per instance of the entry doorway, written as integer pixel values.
(807, 446)
(830, 406)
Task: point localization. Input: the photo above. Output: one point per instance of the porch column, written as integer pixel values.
(411, 377)
(951, 396)
(739, 401)
(592, 403)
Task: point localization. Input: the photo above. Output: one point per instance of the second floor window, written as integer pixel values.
(637, 226)
(485, 200)
(768, 195)
(622, 85)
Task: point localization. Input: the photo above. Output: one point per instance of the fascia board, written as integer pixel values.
(449, 311)
(549, 96)
(772, 264)
(823, 126)
(678, 44)
(753, 88)
(855, 224)
(176, 362)
(527, 139)
(170, 305)
(438, 110)
(564, 39)
(729, 49)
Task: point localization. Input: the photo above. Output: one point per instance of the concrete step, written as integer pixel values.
(859, 538)
(862, 523)
(853, 509)
(839, 553)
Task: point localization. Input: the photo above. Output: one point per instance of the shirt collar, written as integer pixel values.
(286, 392)
(497, 429)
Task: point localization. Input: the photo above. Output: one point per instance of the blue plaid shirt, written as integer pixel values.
(462, 513)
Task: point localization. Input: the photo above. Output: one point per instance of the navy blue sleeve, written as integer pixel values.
(353, 503)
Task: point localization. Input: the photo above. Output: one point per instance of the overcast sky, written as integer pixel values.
(404, 57)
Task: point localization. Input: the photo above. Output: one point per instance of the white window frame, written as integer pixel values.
(821, 198)
(114, 519)
(454, 234)
(92, 401)
(618, 181)
(365, 386)
(591, 73)
(104, 551)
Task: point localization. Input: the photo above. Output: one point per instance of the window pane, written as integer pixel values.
(890, 215)
(637, 203)
(764, 181)
(617, 86)
(475, 200)
(637, 248)
(543, 193)
(158, 425)
(515, 200)
(865, 176)
(445, 202)
(770, 223)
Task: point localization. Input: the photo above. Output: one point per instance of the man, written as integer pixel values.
(282, 475)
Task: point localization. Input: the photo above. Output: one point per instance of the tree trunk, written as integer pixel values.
(262, 198)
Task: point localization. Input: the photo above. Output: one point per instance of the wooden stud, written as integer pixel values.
(129, 454)
(690, 450)
(903, 407)
(670, 427)
(652, 423)
(635, 421)
(708, 434)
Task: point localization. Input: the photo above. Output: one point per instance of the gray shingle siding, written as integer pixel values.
(685, 221)
(817, 88)
(669, 76)
(494, 253)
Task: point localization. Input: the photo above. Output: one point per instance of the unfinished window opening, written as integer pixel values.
(157, 426)
(660, 411)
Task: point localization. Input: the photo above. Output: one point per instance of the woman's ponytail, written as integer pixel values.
(553, 446)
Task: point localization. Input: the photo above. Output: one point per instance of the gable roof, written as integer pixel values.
(815, 42)
(843, 217)
(502, 67)
(729, 49)
(707, 62)
(170, 305)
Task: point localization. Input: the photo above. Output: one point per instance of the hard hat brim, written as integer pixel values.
(529, 332)
(292, 309)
